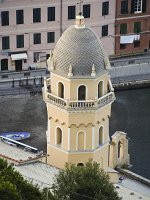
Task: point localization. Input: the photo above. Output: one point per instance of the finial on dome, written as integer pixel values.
(79, 21)
(70, 71)
(93, 71)
(107, 62)
(52, 65)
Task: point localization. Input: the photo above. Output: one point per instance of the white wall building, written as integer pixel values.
(29, 29)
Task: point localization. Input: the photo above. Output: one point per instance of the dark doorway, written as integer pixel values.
(80, 165)
(61, 90)
(82, 92)
(4, 64)
(18, 65)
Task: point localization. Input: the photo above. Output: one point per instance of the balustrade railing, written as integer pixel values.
(102, 101)
(56, 100)
(81, 104)
(78, 105)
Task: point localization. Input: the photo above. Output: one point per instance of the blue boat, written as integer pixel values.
(18, 136)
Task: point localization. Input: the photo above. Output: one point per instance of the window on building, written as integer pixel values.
(81, 140)
(4, 64)
(51, 14)
(100, 89)
(36, 15)
(60, 90)
(20, 41)
(120, 149)
(137, 27)
(82, 92)
(136, 43)
(122, 46)
(71, 12)
(86, 11)
(36, 56)
(105, 8)
(123, 28)
(104, 30)
(59, 137)
(37, 38)
(50, 37)
(5, 43)
(124, 7)
(100, 136)
(5, 18)
(19, 17)
(138, 6)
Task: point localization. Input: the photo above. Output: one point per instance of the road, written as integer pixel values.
(130, 73)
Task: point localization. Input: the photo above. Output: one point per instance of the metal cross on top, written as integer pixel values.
(80, 4)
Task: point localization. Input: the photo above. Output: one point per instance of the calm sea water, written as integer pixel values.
(131, 114)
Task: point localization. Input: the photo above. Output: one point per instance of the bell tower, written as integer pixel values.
(78, 96)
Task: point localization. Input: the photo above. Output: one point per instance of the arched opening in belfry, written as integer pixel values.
(81, 92)
(81, 141)
(60, 90)
(4, 64)
(120, 149)
(59, 136)
(80, 165)
(100, 89)
(100, 135)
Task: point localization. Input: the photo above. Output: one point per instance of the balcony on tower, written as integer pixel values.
(72, 105)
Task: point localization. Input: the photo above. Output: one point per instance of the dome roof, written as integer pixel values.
(79, 50)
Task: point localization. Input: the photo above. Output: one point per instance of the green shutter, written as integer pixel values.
(132, 6)
(144, 6)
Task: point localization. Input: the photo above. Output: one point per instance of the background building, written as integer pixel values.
(132, 28)
(29, 29)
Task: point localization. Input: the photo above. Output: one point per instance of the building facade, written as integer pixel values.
(29, 29)
(78, 96)
(132, 27)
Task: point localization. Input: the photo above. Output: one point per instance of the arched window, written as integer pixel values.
(81, 141)
(100, 89)
(80, 165)
(120, 150)
(4, 64)
(100, 135)
(82, 92)
(60, 90)
(59, 136)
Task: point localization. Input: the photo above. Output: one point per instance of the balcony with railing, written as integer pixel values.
(70, 105)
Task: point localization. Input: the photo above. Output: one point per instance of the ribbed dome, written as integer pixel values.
(80, 48)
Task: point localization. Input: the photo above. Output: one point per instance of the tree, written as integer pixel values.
(84, 182)
(13, 186)
(8, 191)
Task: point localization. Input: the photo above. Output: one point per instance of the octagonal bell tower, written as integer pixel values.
(78, 96)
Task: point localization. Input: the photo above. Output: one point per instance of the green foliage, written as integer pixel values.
(124, 166)
(8, 191)
(88, 182)
(13, 186)
(48, 195)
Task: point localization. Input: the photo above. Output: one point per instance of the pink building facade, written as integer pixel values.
(30, 29)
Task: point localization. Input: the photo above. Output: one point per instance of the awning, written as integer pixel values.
(21, 56)
(128, 39)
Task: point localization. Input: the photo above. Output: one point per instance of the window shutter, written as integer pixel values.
(132, 6)
(144, 6)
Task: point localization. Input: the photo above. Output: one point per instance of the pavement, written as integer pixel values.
(132, 189)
